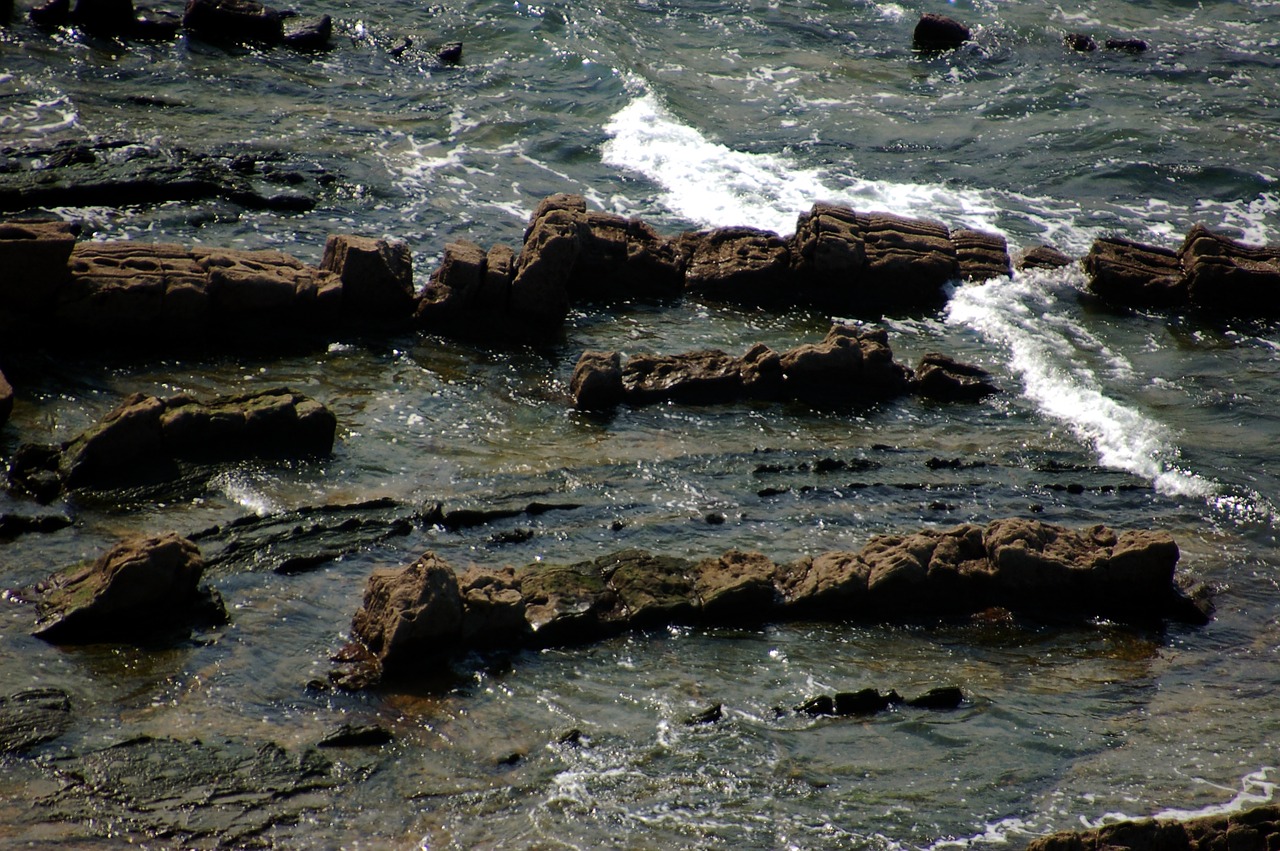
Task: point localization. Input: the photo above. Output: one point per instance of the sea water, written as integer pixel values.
(688, 115)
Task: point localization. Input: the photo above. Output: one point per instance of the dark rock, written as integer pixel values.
(51, 14)
(6, 399)
(1129, 273)
(695, 377)
(823, 704)
(450, 54)
(945, 697)
(376, 275)
(943, 378)
(737, 587)
(35, 258)
(1127, 45)
(1043, 257)
(1223, 275)
(650, 590)
(104, 17)
(908, 260)
(32, 717)
(155, 25)
(234, 21)
(13, 525)
(144, 589)
(308, 34)
(1081, 42)
(565, 603)
(33, 469)
(710, 715)
(455, 286)
(622, 259)
(1257, 829)
(552, 242)
(402, 44)
(356, 736)
(938, 32)
(570, 737)
(867, 701)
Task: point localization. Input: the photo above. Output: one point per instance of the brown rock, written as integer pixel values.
(376, 275)
(1252, 830)
(834, 584)
(1043, 257)
(234, 21)
(650, 590)
(596, 384)
(1227, 276)
(738, 586)
(622, 259)
(1129, 273)
(908, 260)
(552, 244)
(410, 616)
(830, 256)
(493, 610)
(981, 256)
(141, 589)
(739, 264)
(125, 446)
(34, 256)
(453, 285)
(696, 377)
(565, 603)
(943, 378)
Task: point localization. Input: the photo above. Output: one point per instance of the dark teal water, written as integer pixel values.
(695, 114)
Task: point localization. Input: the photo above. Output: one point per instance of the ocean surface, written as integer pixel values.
(695, 114)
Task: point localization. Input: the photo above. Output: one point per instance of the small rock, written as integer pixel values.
(450, 54)
(32, 717)
(710, 715)
(1081, 42)
(938, 32)
(946, 697)
(1127, 45)
(356, 736)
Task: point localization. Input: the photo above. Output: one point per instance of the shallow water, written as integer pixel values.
(689, 115)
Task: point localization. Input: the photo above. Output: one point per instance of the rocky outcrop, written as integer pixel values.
(1042, 257)
(414, 618)
(146, 439)
(869, 701)
(848, 365)
(240, 21)
(138, 295)
(1257, 829)
(144, 589)
(1209, 271)
(837, 259)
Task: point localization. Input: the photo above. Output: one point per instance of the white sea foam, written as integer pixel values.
(714, 185)
(1256, 788)
(1057, 361)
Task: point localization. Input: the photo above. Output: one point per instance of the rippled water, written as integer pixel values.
(695, 114)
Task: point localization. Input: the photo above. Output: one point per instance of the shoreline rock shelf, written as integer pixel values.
(848, 364)
(1256, 829)
(417, 617)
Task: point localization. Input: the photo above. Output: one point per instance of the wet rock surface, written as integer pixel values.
(144, 589)
(1209, 271)
(32, 717)
(1256, 829)
(847, 365)
(226, 794)
(416, 617)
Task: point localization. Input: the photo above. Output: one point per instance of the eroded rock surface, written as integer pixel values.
(143, 589)
(1257, 829)
(416, 617)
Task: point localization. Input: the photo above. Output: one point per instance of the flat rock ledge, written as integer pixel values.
(144, 590)
(847, 365)
(414, 619)
(129, 295)
(145, 439)
(837, 258)
(1257, 829)
(1209, 271)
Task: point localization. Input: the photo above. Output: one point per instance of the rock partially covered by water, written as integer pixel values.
(415, 618)
(837, 259)
(144, 589)
(1209, 271)
(34, 256)
(946, 379)
(234, 21)
(846, 365)
(145, 437)
(32, 717)
(1257, 829)
(938, 32)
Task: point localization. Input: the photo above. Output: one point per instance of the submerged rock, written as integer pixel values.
(943, 378)
(1257, 829)
(32, 717)
(938, 32)
(144, 589)
(416, 618)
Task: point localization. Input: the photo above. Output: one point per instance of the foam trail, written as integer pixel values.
(714, 185)
(1051, 355)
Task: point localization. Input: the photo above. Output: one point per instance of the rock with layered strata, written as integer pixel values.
(143, 589)
(742, 265)
(621, 259)
(376, 275)
(1042, 257)
(548, 257)
(1129, 273)
(415, 617)
(1224, 275)
(981, 256)
(145, 437)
